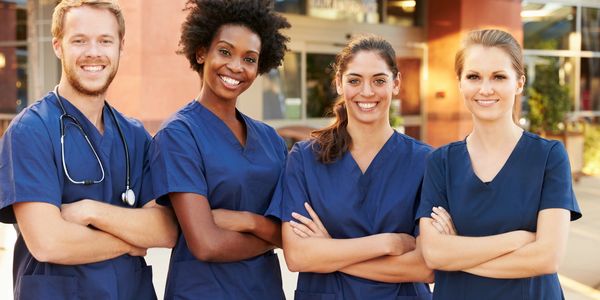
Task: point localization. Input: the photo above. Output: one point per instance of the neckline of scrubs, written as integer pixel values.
(227, 133)
(103, 141)
(498, 175)
(387, 148)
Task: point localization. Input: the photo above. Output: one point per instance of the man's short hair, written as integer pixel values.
(58, 17)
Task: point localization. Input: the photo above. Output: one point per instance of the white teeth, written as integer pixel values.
(93, 68)
(366, 105)
(230, 80)
(487, 102)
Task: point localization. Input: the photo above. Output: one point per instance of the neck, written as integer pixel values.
(90, 106)
(369, 135)
(496, 134)
(225, 110)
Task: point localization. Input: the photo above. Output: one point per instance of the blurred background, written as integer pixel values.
(561, 39)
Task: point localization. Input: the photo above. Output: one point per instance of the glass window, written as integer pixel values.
(590, 84)
(590, 29)
(13, 56)
(282, 95)
(404, 12)
(321, 93)
(543, 71)
(549, 26)
(361, 11)
(291, 6)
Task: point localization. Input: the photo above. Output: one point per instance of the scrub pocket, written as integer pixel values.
(300, 295)
(36, 287)
(192, 280)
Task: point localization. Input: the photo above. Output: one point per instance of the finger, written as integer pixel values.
(438, 227)
(446, 215)
(301, 227)
(299, 233)
(306, 221)
(441, 222)
(314, 216)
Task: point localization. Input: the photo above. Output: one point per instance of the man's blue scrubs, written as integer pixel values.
(31, 171)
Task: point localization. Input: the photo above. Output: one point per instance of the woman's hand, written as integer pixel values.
(442, 221)
(306, 227)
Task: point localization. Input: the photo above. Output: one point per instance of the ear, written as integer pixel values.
(200, 56)
(57, 47)
(520, 84)
(121, 45)
(338, 85)
(397, 83)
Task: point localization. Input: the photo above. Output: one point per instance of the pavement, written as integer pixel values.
(579, 273)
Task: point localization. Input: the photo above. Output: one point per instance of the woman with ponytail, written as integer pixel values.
(349, 194)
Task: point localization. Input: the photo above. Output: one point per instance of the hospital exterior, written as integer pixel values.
(153, 82)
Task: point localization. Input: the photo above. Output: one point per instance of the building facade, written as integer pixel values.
(153, 81)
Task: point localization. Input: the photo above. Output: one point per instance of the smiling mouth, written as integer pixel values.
(486, 102)
(230, 81)
(94, 68)
(366, 106)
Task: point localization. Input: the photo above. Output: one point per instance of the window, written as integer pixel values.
(13, 56)
(548, 26)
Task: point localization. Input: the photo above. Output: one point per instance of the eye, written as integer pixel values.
(499, 77)
(224, 52)
(472, 76)
(251, 60)
(353, 81)
(106, 42)
(77, 41)
(380, 81)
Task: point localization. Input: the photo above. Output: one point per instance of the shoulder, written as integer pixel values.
(419, 147)
(539, 143)
(35, 118)
(263, 128)
(131, 124)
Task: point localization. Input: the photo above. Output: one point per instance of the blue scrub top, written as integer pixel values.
(352, 204)
(195, 152)
(31, 171)
(536, 176)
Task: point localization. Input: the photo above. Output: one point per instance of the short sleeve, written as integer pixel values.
(274, 209)
(294, 188)
(176, 164)
(557, 188)
(433, 190)
(146, 190)
(28, 172)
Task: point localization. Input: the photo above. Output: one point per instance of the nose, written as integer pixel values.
(486, 88)
(93, 49)
(366, 90)
(235, 65)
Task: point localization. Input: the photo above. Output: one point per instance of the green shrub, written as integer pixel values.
(591, 150)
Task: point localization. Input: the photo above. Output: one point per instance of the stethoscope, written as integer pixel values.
(128, 196)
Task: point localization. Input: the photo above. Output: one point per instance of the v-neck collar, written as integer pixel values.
(498, 175)
(226, 131)
(388, 147)
(101, 140)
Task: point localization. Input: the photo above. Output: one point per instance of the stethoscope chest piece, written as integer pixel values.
(128, 196)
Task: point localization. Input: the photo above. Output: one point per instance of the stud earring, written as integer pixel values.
(200, 59)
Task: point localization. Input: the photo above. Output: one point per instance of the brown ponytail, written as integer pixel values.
(331, 142)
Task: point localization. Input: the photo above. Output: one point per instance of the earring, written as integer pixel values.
(200, 59)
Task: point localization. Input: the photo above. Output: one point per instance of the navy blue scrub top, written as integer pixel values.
(536, 176)
(352, 204)
(195, 152)
(31, 171)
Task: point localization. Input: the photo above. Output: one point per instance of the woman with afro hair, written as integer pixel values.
(217, 167)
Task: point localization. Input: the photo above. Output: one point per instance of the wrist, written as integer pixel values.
(251, 223)
(90, 216)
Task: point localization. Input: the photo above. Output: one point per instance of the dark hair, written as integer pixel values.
(491, 38)
(331, 142)
(205, 17)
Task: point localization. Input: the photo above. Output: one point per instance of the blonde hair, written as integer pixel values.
(58, 17)
(491, 38)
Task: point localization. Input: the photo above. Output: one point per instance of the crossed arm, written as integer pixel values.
(515, 254)
(386, 257)
(223, 235)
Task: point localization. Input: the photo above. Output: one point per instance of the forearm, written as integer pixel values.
(227, 246)
(266, 229)
(453, 252)
(150, 226)
(325, 255)
(409, 267)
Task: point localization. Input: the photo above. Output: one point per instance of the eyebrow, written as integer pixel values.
(232, 46)
(359, 75)
(494, 72)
